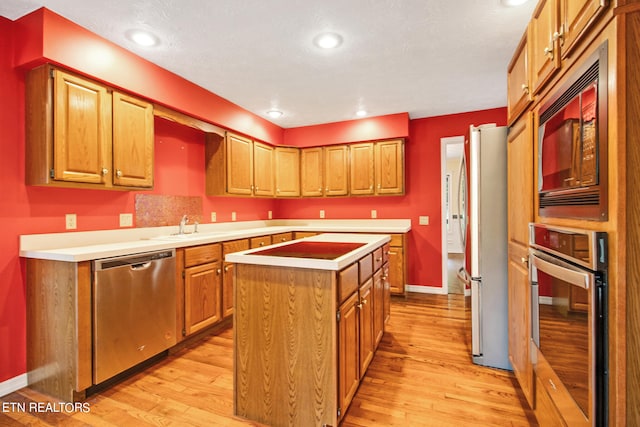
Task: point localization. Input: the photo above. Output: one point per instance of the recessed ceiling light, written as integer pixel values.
(361, 113)
(510, 3)
(328, 40)
(274, 114)
(143, 38)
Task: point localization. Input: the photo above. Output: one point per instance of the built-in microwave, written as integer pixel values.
(572, 145)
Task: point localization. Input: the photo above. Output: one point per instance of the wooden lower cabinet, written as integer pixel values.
(378, 306)
(202, 287)
(397, 266)
(348, 360)
(365, 314)
(227, 274)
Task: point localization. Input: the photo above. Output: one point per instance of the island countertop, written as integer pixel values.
(328, 251)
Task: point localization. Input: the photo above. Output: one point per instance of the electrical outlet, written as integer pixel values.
(374, 213)
(321, 213)
(423, 220)
(70, 221)
(270, 215)
(214, 217)
(233, 216)
(126, 220)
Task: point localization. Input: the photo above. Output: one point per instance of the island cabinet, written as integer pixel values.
(303, 332)
(202, 287)
(80, 133)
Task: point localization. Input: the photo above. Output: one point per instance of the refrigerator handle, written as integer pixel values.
(462, 206)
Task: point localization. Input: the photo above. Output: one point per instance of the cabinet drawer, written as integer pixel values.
(201, 254)
(348, 282)
(366, 267)
(303, 234)
(235, 246)
(282, 237)
(258, 242)
(377, 259)
(396, 240)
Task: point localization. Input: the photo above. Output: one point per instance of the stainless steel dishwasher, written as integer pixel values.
(134, 310)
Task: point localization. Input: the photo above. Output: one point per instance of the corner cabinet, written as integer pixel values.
(80, 133)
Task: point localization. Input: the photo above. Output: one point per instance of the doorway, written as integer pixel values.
(453, 258)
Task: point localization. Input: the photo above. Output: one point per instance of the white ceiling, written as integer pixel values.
(424, 57)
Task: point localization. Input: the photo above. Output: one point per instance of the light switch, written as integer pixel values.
(423, 220)
(270, 215)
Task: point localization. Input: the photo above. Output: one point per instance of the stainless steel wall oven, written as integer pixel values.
(568, 274)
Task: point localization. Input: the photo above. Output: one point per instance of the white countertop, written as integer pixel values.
(371, 241)
(89, 245)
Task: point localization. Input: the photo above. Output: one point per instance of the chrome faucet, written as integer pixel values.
(183, 222)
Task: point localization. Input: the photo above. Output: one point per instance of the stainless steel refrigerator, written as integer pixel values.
(486, 248)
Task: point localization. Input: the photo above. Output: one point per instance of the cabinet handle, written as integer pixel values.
(218, 271)
(378, 259)
(105, 171)
(525, 88)
(525, 261)
(261, 243)
(118, 173)
(559, 35)
(548, 52)
(226, 269)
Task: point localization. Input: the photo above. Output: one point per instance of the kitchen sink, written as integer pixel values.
(185, 236)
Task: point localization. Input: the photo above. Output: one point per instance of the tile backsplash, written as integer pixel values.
(156, 210)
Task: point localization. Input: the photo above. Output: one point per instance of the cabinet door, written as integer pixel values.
(362, 168)
(543, 54)
(202, 296)
(312, 171)
(520, 201)
(239, 165)
(518, 93)
(227, 276)
(348, 362)
(263, 175)
(389, 167)
(132, 141)
(386, 306)
(82, 130)
(287, 172)
(365, 315)
(396, 270)
(336, 170)
(378, 307)
(577, 17)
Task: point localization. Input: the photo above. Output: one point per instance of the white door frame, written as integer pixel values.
(444, 143)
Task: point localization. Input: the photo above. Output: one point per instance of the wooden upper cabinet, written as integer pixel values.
(362, 168)
(239, 165)
(79, 134)
(132, 141)
(518, 93)
(263, 170)
(577, 16)
(312, 172)
(287, 171)
(81, 129)
(336, 170)
(542, 39)
(389, 167)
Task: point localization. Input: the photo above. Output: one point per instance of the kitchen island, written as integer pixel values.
(308, 316)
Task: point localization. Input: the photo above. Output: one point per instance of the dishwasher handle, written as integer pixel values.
(135, 262)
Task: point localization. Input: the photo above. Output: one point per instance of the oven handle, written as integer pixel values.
(562, 270)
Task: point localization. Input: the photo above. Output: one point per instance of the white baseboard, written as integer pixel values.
(425, 289)
(13, 384)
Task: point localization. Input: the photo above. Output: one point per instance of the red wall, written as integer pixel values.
(180, 163)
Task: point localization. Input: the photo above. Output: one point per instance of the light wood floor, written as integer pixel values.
(422, 375)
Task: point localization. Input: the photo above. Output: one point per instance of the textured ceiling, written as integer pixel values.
(424, 57)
